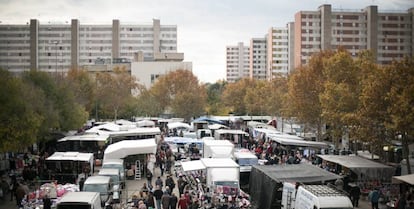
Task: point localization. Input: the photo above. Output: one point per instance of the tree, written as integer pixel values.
(214, 104)
(340, 98)
(148, 105)
(401, 100)
(305, 86)
(256, 97)
(83, 87)
(19, 122)
(277, 95)
(180, 92)
(234, 94)
(63, 113)
(114, 90)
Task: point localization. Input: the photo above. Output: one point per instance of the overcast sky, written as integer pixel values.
(205, 27)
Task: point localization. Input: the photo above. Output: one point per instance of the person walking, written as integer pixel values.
(173, 201)
(158, 194)
(159, 182)
(149, 179)
(165, 200)
(355, 194)
(373, 197)
(182, 203)
(170, 183)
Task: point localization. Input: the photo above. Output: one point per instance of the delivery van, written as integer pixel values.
(118, 164)
(80, 200)
(116, 182)
(314, 197)
(101, 184)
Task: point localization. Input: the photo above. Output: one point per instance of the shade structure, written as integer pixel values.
(364, 168)
(124, 148)
(173, 125)
(409, 179)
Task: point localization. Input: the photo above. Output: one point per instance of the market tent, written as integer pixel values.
(409, 179)
(297, 142)
(182, 140)
(124, 148)
(217, 126)
(209, 120)
(364, 168)
(173, 125)
(145, 123)
(85, 137)
(266, 181)
(72, 156)
(192, 165)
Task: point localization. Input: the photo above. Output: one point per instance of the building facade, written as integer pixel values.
(60, 47)
(237, 62)
(277, 52)
(389, 34)
(258, 57)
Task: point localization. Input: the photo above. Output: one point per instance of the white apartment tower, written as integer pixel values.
(277, 52)
(60, 47)
(258, 54)
(389, 34)
(237, 62)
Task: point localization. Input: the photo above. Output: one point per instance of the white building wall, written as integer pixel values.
(258, 58)
(148, 72)
(237, 62)
(15, 47)
(277, 51)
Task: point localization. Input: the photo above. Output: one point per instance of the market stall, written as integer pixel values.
(68, 167)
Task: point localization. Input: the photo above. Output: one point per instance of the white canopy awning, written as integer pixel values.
(85, 137)
(145, 123)
(173, 125)
(124, 148)
(72, 156)
(217, 126)
(296, 142)
(192, 165)
(409, 179)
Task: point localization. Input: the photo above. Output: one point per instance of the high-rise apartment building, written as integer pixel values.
(258, 54)
(237, 62)
(59, 47)
(277, 51)
(389, 34)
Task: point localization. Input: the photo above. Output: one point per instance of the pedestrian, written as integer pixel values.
(81, 183)
(170, 183)
(173, 201)
(141, 205)
(165, 200)
(355, 194)
(47, 203)
(20, 193)
(13, 186)
(159, 182)
(401, 202)
(181, 184)
(149, 179)
(373, 197)
(182, 203)
(158, 194)
(150, 200)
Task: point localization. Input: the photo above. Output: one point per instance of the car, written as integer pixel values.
(116, 182)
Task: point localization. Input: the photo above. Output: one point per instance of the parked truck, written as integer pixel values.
(300, 196)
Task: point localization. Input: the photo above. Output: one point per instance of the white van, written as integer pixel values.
(118, 164)
(314, 197)
(80, 200)
(101, 184)
(116, 182)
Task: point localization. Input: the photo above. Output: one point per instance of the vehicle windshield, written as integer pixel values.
(247, 161)
(116, 166)
(101, 188)
(115, 178)
(73, 206)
